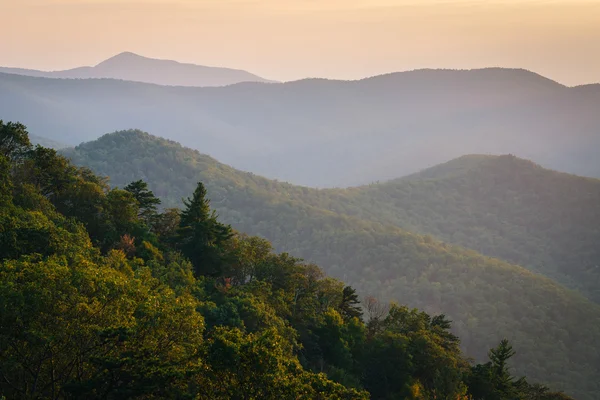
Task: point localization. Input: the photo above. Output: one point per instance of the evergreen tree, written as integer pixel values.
(200, 236)
(493, 380)
(501, 375)
(350, 305)
(147, 201)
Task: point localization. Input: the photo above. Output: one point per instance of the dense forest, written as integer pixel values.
(500, 206)
(104, 295)
(556, 331)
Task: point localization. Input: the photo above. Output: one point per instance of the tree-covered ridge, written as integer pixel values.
(122, 301)
(553, 329)
(501, 206)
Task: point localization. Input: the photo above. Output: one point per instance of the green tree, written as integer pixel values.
(493, 380)
(5, 182)
(147, 201)
(201, 236)
(350, 304)
(14, 140)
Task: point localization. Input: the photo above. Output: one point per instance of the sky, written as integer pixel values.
(294, 39)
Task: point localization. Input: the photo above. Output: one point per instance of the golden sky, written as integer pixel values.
(292, 39)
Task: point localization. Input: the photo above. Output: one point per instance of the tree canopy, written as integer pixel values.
(96, 304)
(360, 239)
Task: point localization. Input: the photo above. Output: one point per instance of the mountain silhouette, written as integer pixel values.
(133, 67)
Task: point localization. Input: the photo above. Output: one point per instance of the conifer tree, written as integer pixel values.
(350, 305)
(200, 236)
(147, 201)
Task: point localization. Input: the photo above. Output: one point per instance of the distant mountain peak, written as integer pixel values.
(124, 56)
(130, 66)
(128, 54)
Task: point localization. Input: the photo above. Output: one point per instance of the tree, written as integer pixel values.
(5, 182)
(14, 140)
(167, 224)
(147, 201)
(493, 380)
(350, 305)
(200, 236)
(500, 373)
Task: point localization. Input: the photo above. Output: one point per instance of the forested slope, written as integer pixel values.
(104, 296)
(501, 206)
(555, 330)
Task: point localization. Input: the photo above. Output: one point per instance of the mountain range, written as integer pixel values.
(133, 67)
(379, 239)
(327, 133)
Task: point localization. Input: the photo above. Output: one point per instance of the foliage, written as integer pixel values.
(501, 206)
(353, 237)
(111, 318)
(146, 200)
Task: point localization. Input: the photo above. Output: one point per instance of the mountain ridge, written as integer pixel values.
(329, 133)
(501, 206)
(136, 68)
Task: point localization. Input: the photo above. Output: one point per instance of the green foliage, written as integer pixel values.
(14, 140)
(502, 207)
(147, 202)
(350, 305)
(106, 318)
(200, 236)
(5, 182)
(223, 318)
(431, 355)
(494, 381)
(354, 236)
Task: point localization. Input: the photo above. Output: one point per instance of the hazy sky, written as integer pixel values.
(291, 39)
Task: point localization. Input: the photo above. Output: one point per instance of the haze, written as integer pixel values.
(293, 39)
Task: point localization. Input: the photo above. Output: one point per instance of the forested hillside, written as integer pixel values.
(103, 296)
(556, 331)
(503, 206)
(330, 133)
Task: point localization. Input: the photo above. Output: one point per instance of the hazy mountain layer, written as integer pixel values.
(46, 142)
(332, 133)
(132, 67)
(553, 329)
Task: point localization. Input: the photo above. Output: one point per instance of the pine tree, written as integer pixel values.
(200, 236)
(350, 305)
(147, 201)
(492, 380)
(499, 358)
